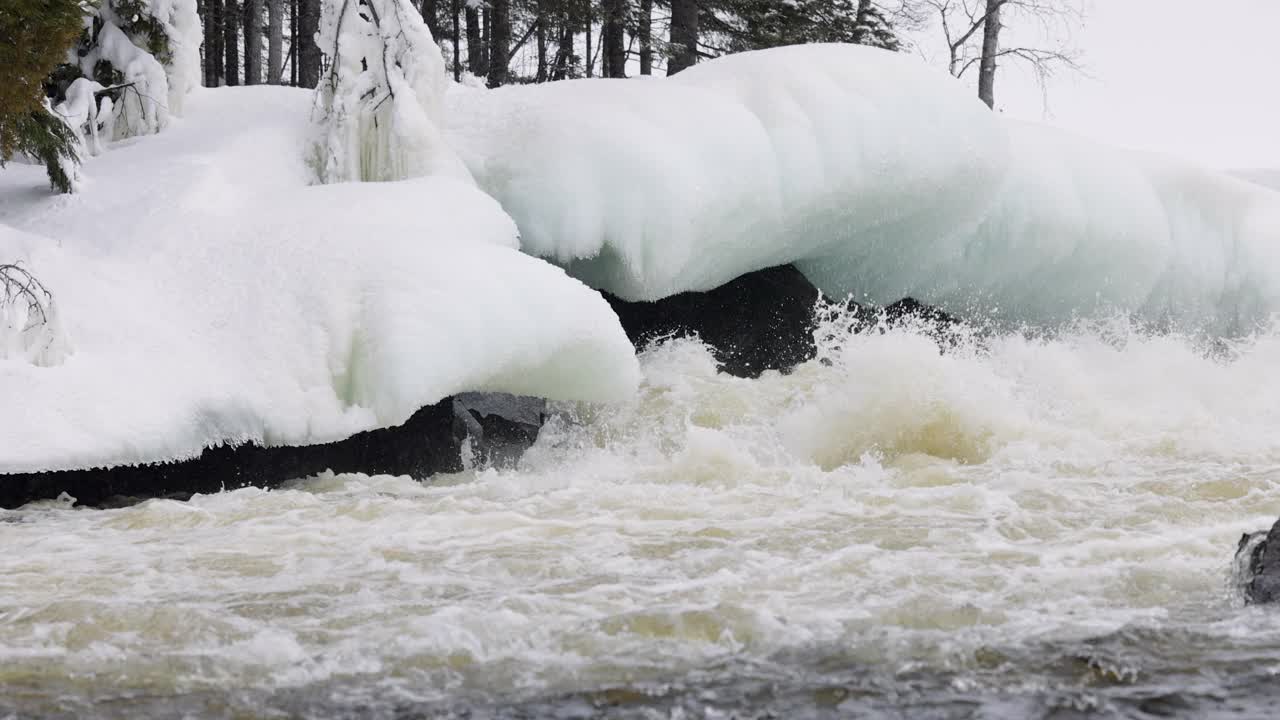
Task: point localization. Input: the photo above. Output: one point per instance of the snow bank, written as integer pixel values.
(652, 187)
(208, 296)
(877, 176)
(1084, 230)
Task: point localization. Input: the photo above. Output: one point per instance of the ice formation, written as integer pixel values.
(209, 296)
(652, 187)
(379, 107)
(879, 177)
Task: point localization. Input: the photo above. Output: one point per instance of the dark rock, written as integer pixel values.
(499, 429)
(912, 309)
(761, 321)
(500, 426)
(1258, 554)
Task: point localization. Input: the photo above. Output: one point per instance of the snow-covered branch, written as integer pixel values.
(378, 112)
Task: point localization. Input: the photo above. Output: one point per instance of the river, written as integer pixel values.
(1020, 527)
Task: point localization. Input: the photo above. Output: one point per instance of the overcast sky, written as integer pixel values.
(1196, 78)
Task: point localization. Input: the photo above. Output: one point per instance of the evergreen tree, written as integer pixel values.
(35, 36)
(739, 25)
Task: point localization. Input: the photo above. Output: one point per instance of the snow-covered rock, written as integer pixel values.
(1084, 230)
(876, 176)
(651, 187)
(207, 295)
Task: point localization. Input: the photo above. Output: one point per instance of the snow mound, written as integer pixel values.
(651, 187)
(1084, 230)
(208, 296)
(876, 175)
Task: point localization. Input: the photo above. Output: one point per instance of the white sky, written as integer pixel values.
(1196, 78)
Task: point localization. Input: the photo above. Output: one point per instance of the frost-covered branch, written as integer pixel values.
(28, 318)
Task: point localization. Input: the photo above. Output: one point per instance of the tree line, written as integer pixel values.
(502, 42)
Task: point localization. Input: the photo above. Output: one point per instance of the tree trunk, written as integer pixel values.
(476, 49)
(990, 51)
(275, 40)
(644, 30)
(231, 43)
(564, 49)
(684, 35)
(499, 41)
(253, 42)
(589, 61)
(457, 40)
(293, 42)
(308, 52)
(431, 15)
(486, 31)
(542, 20)
(213, 59)
(613, 49)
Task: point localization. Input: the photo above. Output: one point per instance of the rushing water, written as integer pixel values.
(1015, 528)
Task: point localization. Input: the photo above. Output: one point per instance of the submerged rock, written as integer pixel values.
(760, 321)
(495, 428)
(1258, 556)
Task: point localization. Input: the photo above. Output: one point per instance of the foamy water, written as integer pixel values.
(1015, 528)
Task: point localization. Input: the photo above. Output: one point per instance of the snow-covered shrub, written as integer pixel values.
(29, 328)
(144, 56)
(379, 110)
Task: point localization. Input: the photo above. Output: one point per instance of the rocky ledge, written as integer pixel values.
(493, 428)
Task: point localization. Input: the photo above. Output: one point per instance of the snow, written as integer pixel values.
(180, 20)
(877, 176)
(82, 113)
(1083, 230)
(380, 106)
(206, 295)
(651, 187)
(141, 109)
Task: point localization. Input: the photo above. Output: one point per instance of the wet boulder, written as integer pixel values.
(760, 321)
(1258, 560)
(498, 427)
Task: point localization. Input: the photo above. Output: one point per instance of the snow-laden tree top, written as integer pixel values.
(379, 108)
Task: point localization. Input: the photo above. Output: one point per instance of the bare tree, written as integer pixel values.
(990, 53)
(972, 30)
